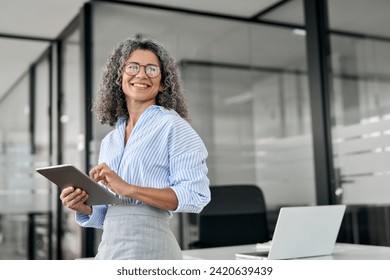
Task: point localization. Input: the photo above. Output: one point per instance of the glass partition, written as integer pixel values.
(41, 156)
(361, 116)
(25, 197)
(282, 117)
(15, 160)
(25, 210)
(72, 133)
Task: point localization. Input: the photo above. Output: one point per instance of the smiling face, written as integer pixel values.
(139, 88)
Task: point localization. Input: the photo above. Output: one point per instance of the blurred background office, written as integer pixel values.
(290, 95)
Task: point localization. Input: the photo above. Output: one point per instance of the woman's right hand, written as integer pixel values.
(74, 198)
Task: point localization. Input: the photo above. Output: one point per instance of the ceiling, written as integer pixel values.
(26, 27)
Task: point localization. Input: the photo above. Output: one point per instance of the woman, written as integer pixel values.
(153, 159)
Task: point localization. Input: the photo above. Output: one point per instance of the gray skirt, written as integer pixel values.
(137, 232)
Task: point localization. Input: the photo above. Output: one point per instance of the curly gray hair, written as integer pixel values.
(109, 104)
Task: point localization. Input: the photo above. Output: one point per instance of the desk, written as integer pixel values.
(342, 251)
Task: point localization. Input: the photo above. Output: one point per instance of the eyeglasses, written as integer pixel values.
(151, 70)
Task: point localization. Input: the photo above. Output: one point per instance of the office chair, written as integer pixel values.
(236, 215)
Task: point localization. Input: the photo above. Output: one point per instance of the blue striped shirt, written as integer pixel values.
(163, 151)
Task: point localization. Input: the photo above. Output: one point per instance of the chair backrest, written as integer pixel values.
(236, 215)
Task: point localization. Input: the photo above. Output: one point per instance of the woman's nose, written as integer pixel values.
(141, 71)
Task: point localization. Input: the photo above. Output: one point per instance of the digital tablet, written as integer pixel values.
(68, 175)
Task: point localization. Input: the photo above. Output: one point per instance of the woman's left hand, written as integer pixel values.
(103, 174)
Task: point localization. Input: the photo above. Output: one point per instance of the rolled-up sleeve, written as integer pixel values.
(190, 182)
(95, 220)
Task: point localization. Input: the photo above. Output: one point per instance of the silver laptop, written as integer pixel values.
(300, 232)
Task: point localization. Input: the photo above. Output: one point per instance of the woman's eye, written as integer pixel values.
(132, 69)
(152, 70)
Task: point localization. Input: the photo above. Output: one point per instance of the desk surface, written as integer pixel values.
(342, 251)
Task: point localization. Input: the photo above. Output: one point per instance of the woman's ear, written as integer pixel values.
(161, 88)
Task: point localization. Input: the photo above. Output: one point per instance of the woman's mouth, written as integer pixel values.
(137, 85)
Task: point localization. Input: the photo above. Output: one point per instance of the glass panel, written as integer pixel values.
(221, 105)
(23, 202)
(282, 117)
(15, 159)
(270, 151)
(41, 157)
(247, 90)
(72, 133)
(362, 114)
(361, 117)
